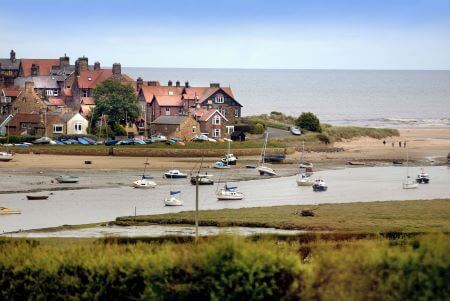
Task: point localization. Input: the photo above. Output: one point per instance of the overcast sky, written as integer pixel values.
(315, 34)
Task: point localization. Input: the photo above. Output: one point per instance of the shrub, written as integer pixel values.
(308, 121)
(258, 129)
(18, 139)
(324, 138)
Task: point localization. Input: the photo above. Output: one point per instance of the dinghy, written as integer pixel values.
(67, 179)
(423, 177)
(220, 165)
(203, 179)
(5, 157)
(175, 174)
(144, 181)
(37, 197)
(320, 185)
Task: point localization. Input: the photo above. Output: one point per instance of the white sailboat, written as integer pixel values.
(144, 182)
(5, 157)
(409, 183)
(262, 168)
(303, 179)
(172, 200)
(229, 193)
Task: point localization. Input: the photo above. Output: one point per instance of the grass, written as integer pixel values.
(348, 132)
(372, 217)
(228, 268)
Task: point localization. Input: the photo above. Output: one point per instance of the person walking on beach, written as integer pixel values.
(392, 143)
(404, 144)
(384, 142)
(399, 144)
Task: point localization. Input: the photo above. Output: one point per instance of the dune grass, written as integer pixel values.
(372, 217)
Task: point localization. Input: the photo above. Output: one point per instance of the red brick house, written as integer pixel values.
(213, 123)
(184, 127)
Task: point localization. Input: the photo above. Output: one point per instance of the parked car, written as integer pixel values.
(201, 137)
(295, 130)
(158, 138)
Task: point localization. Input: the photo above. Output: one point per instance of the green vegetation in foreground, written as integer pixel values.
(228, 268)
(373, 217)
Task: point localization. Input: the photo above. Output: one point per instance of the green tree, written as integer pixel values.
(116, 101)
(258, 128)
(308, 121)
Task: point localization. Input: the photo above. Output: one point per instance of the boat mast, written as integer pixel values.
(263, 152)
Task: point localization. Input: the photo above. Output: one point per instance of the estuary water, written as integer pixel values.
(359, 184)
(340, 97)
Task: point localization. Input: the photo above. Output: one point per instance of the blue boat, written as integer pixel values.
(82, 141)
(220, 165)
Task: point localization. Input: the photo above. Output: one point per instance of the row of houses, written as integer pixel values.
(32, 89)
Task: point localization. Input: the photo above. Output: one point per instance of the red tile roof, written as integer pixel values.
(89, 101)
(89, 79)
(56, 101)
(169, 100)
(45, 66)
(12, 91)
(150, 91)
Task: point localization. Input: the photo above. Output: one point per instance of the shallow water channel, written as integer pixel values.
(105, 204)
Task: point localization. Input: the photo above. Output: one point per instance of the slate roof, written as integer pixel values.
(10, 65)
(40, 82)
(175, 120)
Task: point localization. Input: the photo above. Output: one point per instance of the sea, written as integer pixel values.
(400, 99)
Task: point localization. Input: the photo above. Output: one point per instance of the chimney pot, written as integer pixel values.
(214, 85)
(97, 66)
(116, 69)
(169, 83)
(139, 83)
(177, 83)
(64, 61)
(12, 56)
(186, 84)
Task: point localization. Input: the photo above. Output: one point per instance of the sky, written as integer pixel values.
(277, 34)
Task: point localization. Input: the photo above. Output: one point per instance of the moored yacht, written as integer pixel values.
(5, 157)
(304, 180)
(262, 168)
(175, 174)
(172, 200)
(320, 185)
(229, 193)
(423, 177)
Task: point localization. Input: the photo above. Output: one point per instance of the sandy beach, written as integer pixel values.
(425, 146)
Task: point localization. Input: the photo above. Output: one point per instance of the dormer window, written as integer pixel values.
(216, 120)
(219, 98)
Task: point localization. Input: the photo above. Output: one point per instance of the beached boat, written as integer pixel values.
(5, 157)
(423, 177)
(43, 140)
(408, 183)
(274, 158)
(262, 168)
(171, 200)
(320, 185)
(220, 165)
(203, 179)
(175, 174)
(229, 159)
(67, 179)
(4, 210)
(37, 197)
(304, 180)
(229, 193)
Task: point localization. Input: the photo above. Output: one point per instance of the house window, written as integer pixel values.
(23, 125)
(85, 93)
(216, 120)
(49, 92)
(236, 112)
(7, 99)
(55, 92)
(216, 133)
(194, 129)
(78, 127)
(57, 129)
(167, 111)
(219, 98)
(230, 129)
(223, 111)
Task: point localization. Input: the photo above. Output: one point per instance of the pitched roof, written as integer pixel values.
(203, 93)
(89, 79)
(169, 120)
(12, 91)
(89, 101)
(10, 65)
(169, 100)
(45, 65)
(24, 118)
(205, 114)
(40, 82)
(150, 91)
(56, 101)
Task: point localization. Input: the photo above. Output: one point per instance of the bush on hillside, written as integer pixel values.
(309, 121)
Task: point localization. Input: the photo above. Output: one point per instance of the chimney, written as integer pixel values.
(81, 65)
(29, 87)
(34, 70)
(12, 56)
(64, 61)
(97, 66)
(139, 83)
(214, 85)
(153, 83)
(186, 84)
(116, 69)
(177, 83)
(169, 83)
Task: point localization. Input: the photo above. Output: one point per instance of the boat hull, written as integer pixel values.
(230, 196)
(202, 181)
(423, 180)
(37, 197)
(305, 183)
(319, 188)
(172, 201)
(169, 176)
(410, 185)
(67, 180)
(144, 184)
